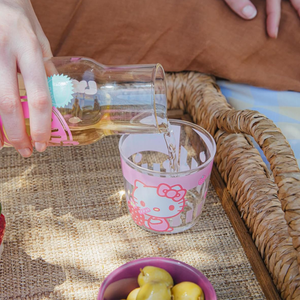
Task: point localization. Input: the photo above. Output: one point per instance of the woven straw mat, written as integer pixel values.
(68, 228)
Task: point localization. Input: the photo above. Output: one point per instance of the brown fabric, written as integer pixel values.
(200, 35)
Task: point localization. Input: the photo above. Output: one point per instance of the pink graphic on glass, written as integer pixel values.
(187, 182)
(150, 206)
(202, 179)
(61, 133)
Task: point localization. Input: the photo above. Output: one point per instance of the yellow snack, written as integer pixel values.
(154, 291)
(154, 274)
(132, 295)
(187, 291)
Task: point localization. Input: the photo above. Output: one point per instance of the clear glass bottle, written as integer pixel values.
(91, 100)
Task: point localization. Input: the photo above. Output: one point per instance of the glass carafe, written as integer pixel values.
(91, 100)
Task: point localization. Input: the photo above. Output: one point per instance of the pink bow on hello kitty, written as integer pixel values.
(171, 192)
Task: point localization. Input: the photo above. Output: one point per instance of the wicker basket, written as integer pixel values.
(268, 203)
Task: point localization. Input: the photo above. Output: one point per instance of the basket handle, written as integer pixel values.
(199, 95)
(280, 156)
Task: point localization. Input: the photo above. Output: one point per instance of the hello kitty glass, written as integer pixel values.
(159, 200)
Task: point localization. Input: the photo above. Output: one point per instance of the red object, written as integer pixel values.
(2, 228)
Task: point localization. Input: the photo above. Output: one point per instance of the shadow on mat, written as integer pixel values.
(82, 181)
(22, 277)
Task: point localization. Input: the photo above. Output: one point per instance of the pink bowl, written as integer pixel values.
(120, 282)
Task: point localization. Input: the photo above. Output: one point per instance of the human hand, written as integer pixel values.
(246, 10)
(23, 45)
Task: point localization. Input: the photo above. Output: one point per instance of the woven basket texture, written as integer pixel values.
(268, 203)
(68, 227)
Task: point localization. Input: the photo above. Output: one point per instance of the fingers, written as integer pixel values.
(244, 8)
(44, 43)
(296, 5)
(273, 10)
(39, 101)
(22, 47)
(50, 67)
(10, 106)
(45, 46)
(47, 54)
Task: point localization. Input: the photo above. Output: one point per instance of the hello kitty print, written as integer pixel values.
(150, 206)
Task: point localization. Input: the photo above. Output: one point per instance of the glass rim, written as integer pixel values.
(173, 174)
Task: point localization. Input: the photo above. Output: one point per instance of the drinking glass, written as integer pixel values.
(160, 199)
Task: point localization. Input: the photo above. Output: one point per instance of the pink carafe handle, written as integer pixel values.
(60, 135)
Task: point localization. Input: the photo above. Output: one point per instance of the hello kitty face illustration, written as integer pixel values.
(161, 201)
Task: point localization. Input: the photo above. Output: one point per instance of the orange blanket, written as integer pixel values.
(200, 35)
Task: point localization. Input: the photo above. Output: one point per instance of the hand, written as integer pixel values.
(247, 10)
(22, 48)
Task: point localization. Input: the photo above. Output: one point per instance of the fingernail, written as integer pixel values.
(25, 152)
(40, 146)
(249, 11)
